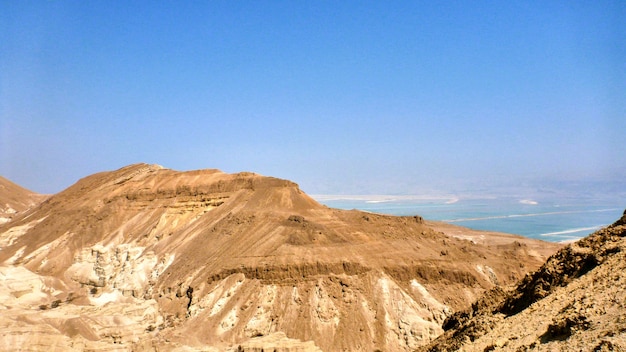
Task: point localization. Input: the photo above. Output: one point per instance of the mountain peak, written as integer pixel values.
(244, 256)
(15, 199)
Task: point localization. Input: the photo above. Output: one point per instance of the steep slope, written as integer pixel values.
(146, 257)
(575, 302)
(15, 199)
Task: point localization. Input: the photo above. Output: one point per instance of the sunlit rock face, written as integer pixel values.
(576, 301)
(146, 258)
(15, 200)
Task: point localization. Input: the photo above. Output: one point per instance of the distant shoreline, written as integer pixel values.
(555, 220)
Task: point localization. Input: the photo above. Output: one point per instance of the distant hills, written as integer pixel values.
(15, 199)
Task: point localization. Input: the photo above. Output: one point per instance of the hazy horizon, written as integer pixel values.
(343, 98)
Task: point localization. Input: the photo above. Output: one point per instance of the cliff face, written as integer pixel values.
(145, 257)
(575, 302)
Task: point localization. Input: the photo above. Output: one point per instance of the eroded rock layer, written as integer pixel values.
(576, 301)
(147, 258)
(15, 200)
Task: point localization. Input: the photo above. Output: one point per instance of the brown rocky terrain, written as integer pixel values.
(575, 302)
(147, 258)
(15, 200)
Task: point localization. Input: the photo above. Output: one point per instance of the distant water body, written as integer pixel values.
(554, 220)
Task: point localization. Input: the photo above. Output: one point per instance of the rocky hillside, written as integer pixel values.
(15, 199)
(147, 258)
(575, 302)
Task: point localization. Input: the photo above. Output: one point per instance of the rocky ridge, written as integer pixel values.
(575, 302)
(15, 200)
(146, 258)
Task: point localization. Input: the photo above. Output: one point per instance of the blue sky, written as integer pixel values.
(341, 97)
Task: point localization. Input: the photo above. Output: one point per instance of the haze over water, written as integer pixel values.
(557, 220)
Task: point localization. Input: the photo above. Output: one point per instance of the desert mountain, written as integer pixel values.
(575, 302)
(15, 199)
(146, 258)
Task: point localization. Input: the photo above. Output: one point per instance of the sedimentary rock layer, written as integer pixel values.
(146, 257)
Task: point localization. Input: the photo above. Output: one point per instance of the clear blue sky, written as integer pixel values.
(339, 96)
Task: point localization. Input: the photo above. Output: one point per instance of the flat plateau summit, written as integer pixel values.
(148, 258)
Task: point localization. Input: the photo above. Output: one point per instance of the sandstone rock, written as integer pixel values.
(146, 258)
(575, 302)
(15, 200)
(277, 342)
